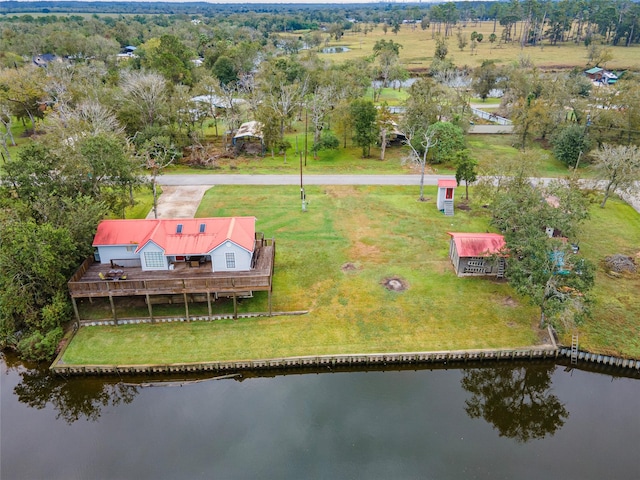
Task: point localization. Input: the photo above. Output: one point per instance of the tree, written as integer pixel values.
(517, 401)
(441, 48)
(619, 167)
(450, 140)
(170, 57)
(545, 268)
(485, 78)
(423, 106)
(24, 90)
(419, 142)
(363, 115)
(142, 100)
(386, 125)
(466, 169)
(327, 141)
(157, 154)
(463, 40)
(570, 143)
(388, 54)
(225, 70)
(35, 262)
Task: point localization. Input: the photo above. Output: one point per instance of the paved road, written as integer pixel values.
(184, 180)
(490, 129)
(209, 180)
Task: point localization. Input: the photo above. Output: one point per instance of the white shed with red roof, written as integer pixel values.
(156, 244)
(475, 254)
(446, 187)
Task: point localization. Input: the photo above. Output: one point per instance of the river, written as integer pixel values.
(504, 421)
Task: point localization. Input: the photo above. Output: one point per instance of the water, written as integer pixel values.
(335, 49)
(516, 421)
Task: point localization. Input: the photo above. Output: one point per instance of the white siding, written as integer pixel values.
(153, 249)
(219, 261)
(117, 252)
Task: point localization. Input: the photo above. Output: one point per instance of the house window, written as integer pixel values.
(231, 259)
(154, 259)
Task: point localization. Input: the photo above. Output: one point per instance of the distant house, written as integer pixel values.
(127, 52)
(43, 60)
(225, 243)
(473, 254)
(601, 76)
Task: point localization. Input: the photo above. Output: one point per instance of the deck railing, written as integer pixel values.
(257, 279)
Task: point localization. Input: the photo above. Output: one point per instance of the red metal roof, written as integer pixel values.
(477, 244)
(447, 183)
(164, 232)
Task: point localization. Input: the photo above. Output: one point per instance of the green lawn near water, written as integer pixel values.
(332, 261)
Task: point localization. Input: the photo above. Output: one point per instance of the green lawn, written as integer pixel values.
(379, 232)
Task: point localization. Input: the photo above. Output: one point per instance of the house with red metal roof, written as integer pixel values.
(476, 254)
(225, 243)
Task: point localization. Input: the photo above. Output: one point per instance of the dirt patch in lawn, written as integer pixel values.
(510, 302)
(395, 284)
(349, 267)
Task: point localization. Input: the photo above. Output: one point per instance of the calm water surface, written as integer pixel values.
(525, 422)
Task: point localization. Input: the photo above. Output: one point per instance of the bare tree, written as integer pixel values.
(319, 105)
(157, 154)
(619, 167)
(284, 99)
(386, 124)
(419, 141)
(144, 94)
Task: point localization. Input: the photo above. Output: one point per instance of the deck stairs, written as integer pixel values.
(448, 208)
(574, 349)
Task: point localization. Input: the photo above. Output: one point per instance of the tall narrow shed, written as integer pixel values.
(445, 195)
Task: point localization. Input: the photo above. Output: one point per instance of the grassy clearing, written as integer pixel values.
(616, 321)
(492, 151)
(382, 232)
(419, 45)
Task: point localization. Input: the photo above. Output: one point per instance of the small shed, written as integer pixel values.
(444, 201)
(248, 133)
(474, 254)
(249, 130)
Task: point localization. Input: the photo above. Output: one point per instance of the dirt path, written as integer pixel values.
(179, 201)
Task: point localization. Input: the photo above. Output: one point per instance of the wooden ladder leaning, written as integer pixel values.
(501, 268)
(574, 349)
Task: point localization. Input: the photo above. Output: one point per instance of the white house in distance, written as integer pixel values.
(472, 254)
(225, 243)
(445, 195)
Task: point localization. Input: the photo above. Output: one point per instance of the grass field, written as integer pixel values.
(418, 47)
(379, 233)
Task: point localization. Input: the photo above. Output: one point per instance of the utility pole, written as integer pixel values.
(303, 197)
(306, 130)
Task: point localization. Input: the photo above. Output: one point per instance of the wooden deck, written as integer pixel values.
(184, 279)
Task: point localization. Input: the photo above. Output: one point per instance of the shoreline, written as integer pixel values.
(345, 361)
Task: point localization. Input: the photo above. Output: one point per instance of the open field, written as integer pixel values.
(419, 45)
(332, 261)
